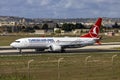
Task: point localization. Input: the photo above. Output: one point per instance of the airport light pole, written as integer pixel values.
(59, 67)
(29, 68)
(86, 61)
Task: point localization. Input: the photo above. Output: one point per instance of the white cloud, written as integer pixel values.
(69, 4)
(61, 8)
(30, 1)
(39, 2)
(87, 8)
(45, 2)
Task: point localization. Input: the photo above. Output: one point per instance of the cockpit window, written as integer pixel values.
(17, 41)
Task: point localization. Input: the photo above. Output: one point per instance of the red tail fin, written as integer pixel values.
(94, 31)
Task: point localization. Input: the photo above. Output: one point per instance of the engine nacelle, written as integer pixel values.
(55, 48)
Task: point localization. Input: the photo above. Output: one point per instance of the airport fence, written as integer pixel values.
(60, 67)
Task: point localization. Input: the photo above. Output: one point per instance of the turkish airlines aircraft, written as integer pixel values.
(59, 44)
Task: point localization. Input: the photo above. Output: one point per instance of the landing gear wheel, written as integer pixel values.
(38, 50)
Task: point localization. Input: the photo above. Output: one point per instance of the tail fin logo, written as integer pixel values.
(94, 31)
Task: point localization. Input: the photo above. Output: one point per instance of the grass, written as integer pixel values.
(72, 67)
(111, 39)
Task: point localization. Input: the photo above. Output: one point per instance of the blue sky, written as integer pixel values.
(60, 8)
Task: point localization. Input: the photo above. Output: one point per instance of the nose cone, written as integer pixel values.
(12, 44)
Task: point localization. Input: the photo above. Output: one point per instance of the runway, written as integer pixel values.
(104, 48)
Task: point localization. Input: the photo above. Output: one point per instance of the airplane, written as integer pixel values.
(59, 44)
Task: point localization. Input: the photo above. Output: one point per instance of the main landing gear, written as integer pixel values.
(20, 51)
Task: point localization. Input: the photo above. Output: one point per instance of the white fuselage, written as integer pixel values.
(46, 42)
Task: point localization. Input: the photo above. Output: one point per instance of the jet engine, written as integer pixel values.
(55, 48)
